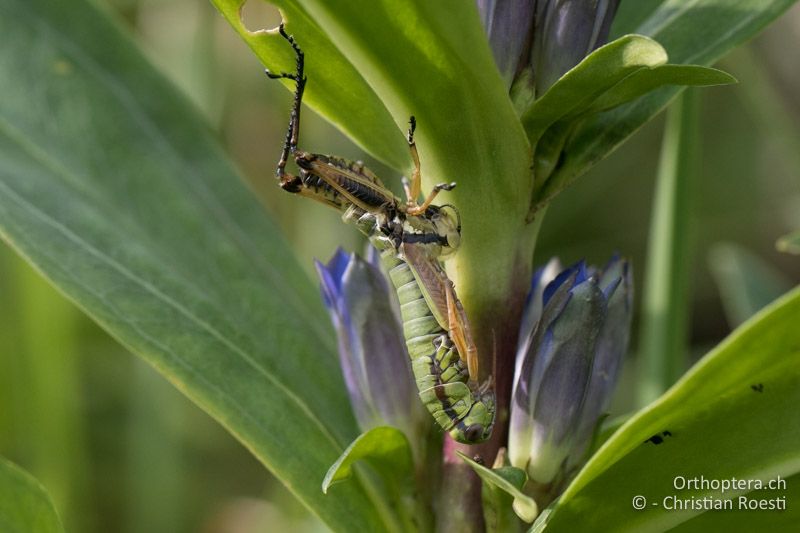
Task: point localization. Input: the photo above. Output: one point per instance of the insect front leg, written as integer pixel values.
(414, 188)
(288, 181)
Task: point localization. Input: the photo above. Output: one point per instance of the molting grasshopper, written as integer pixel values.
(412, 238)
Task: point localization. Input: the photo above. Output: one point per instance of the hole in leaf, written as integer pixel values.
(258, 16)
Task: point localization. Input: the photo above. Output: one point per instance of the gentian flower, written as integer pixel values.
(372, 353)
(548, 37)
(577, 327)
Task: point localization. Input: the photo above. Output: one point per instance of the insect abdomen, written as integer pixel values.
(438, 370)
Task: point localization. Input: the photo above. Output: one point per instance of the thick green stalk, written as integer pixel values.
(497, 322)
(663, 344)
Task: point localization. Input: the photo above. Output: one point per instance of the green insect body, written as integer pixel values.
(458, 404)
(411, 239)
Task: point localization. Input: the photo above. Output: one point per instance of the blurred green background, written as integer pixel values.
(120, 449)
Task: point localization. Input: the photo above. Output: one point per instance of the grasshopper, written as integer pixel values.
(412, 238)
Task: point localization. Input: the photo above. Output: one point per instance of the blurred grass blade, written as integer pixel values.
(789, 243)
(746, 283)
(25, 507)
(665, 313)
(156, 473)
(114, 189)
(734, 415)
(336, 90)
(698, 32)
(50, 403)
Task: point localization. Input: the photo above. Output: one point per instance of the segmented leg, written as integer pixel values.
(412, 192)
(293, 132)
(415, 187)
(459, 331)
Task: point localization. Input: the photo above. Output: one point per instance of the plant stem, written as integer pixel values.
(663, 344)
(495, 322)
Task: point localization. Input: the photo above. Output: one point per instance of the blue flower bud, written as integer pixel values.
(568, 364)
(372, 351)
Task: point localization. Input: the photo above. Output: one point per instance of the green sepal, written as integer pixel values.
(615, 74)
(384, 448)
(509, 480)
(647, 80)
(601, 70)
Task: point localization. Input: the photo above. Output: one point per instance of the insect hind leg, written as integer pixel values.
(293, 131)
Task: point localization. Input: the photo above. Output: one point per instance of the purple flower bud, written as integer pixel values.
(566, 31)
(372, 351)
(551, 36)
(568, 364)
(509, 25)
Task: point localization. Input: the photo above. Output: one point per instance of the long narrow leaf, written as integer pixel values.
(663, 346)
(114, 189)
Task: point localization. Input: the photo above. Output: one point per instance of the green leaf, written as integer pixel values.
(733, 415)
(789, 243)
(432, 60)
(25, 506)
(386, 449)
(510, 480)
(335, 89)
(612, 75)
(698, 32)
(645, 81)
(117, 192)
(575, 92)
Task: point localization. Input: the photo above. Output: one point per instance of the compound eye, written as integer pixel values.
(474, 432)
(453, 240)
